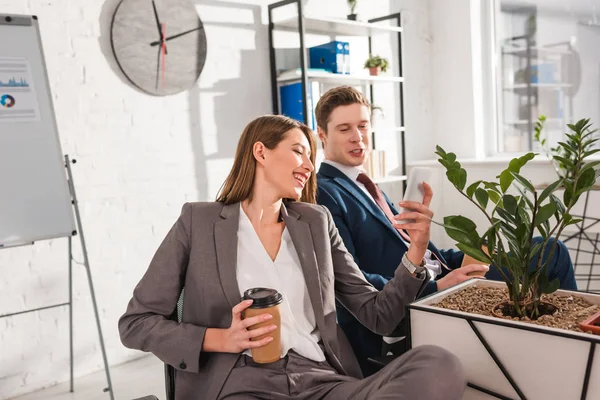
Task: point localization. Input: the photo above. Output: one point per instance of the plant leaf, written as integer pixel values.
(510, 203)
(589, 153)
(482, 197)
(549, 190)
(591, 164)
(506, 179)
(492, 186)
(544, 213)
(461, 229)
(564, 161)
(474, 252)
(551, 287)
(471, 188)
(526, 184)
(458, 177)
(586, 181)
(494, 197)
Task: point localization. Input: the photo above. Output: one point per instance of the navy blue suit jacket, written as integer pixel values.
(375, 245)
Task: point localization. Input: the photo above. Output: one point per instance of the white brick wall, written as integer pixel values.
(139, 158)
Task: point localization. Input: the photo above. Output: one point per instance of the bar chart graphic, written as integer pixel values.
(18, 99)
(13, 82)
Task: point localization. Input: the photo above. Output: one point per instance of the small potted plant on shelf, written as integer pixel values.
(376, 65)
(352, 4)
(501, 331)
(377, 117)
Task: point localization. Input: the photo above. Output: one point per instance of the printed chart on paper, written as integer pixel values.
(18, 99)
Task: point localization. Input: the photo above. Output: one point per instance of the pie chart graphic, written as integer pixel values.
(6, 100)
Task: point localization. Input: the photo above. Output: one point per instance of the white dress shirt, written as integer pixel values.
(433, 265)
(256, 269)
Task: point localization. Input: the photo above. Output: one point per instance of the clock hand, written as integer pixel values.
(164, 52)
(175, 36)
(157, 21)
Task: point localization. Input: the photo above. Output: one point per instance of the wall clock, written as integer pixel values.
(160, 45)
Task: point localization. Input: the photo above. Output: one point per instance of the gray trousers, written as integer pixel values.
(426, 372)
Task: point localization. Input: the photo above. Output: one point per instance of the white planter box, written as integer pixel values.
(543, 363)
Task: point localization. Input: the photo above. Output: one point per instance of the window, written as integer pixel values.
(547, 63)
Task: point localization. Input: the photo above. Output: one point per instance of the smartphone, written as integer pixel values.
(414, 189)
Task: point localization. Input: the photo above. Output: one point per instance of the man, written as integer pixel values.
(364, 215)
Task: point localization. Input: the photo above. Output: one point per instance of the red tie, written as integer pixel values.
(377, 195)
(380, 200)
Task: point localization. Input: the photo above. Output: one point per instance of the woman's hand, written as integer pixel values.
(236, 338)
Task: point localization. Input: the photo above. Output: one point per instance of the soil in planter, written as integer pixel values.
(508, 309)
(481, 300)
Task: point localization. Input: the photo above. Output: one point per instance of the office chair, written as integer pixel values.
(169, 370)
(390, 351)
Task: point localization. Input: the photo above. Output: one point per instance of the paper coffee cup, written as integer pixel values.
(265, 301)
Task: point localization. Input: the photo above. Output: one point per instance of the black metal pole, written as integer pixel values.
(274, 88)
(371, 95)
(497, 360)
(588, 371)
(272, 56)
(71, 380)
(33, 310)
(303, 64)
(529, 92)
(401, 74)
(86, 263)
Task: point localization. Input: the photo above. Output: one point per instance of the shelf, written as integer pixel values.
(522, 88)
(525, 122)
(329, 26)
(390, 179)
(377, 129)
(535, 51)
(340, 79)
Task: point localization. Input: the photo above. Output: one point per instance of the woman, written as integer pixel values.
(257, 234)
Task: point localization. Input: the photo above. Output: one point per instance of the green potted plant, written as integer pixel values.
(514, 218)
(504, 333)
(352, 4)
(376, 64)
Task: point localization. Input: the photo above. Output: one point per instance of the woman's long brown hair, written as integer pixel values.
(270, 130)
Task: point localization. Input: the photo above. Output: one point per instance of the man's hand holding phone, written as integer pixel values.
(415, 215)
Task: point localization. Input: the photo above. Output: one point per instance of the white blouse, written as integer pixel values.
(256, 269)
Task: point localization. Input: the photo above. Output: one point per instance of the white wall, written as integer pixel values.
(139, 158)
(452, 79)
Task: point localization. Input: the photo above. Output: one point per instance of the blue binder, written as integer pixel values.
(291, 102)
(329, 56)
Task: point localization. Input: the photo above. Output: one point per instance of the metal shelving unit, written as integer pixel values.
(525, 94)
(304, 25)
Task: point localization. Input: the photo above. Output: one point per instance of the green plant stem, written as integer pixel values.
(525, 283)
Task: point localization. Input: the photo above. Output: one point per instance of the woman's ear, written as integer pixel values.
(259, 150)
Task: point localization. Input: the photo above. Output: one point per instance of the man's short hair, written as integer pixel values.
(333, 98)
